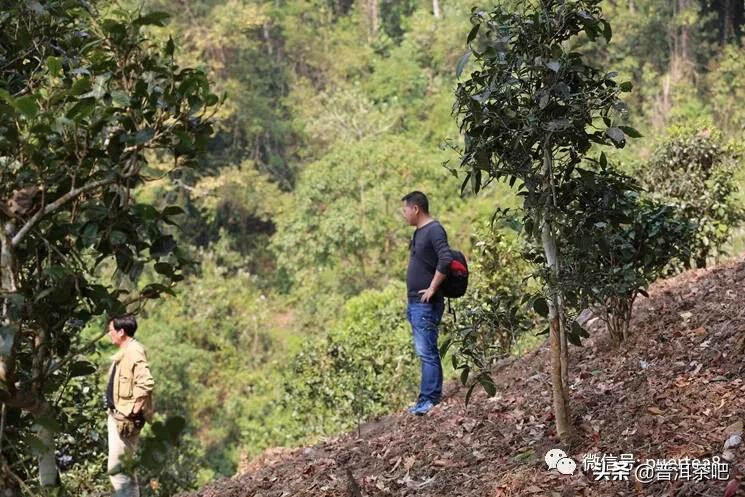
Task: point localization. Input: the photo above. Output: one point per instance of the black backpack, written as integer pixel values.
(456, 283)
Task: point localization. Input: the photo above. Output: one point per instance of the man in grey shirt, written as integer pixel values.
(429, 260)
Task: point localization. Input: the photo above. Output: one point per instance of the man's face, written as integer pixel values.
(116, 336)
(410, 213)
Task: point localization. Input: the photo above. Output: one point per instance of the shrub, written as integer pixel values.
(693, 171)
(492, 315)
(615, 244)
(364, 366)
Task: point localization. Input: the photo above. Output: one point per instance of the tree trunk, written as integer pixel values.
(48, 474)
(8, 481)
(372, 14)
(728, 31)
(8, 285)
(561, 411)
(436, 9)
(267, 38)
(559, 354)
(7, 344)
(564, 353)
(701, 261)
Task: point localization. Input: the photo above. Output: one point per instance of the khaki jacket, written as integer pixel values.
(133, 379)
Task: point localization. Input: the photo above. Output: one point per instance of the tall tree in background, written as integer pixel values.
(530, 113)
(86, 103)
(373, 11)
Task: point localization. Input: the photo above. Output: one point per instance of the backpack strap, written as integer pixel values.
(452, 311)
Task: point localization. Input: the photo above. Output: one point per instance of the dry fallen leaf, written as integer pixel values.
(732, 487)
(735, 427)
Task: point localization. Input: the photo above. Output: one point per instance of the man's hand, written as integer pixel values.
(427, 294)
(138, 406)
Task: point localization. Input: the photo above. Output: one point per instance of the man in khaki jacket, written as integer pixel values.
(128, 400)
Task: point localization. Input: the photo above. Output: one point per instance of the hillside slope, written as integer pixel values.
(674, 391)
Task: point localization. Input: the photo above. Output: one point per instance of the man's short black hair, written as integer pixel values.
(126, 322)
(419, 199)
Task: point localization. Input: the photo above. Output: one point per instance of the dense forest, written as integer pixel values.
(285, 321)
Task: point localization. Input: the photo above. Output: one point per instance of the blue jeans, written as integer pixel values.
(424, 318)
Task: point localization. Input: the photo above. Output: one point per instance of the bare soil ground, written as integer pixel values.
(674, 390)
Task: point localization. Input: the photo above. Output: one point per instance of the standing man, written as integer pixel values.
(128, 400)
(429, 259)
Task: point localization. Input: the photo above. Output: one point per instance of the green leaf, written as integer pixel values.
(170, 47)
(616, 135)
(626, 86)
(162, 246)
(144, 135)
(628, 131)
(153, 290)
(461, 64)
(607, 31)
(464, 375)
(574, 339)
(120, 99)
(472, 34)
(117, 237)
(543, 102)
(37, 446)
(554, 65)
(80, 86)
(27, 106)
(152, 19)
(89, 234)
(540, 306)
(445, 347)
(113, 27)
(49, 423)
(211, 100)
(54, 66)
(488, 384)
(470, 391)
(82, 109)
(476, 181)
(82, 368)
(173, 210)
(578, 330)
(146, 211)
(164, 268)
(465, 182)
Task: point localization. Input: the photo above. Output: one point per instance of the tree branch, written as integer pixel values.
(56, 205)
